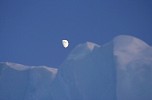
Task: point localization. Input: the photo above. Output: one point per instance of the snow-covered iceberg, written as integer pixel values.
(118, 70)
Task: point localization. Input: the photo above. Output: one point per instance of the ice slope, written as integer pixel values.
(20, 82)
(118, 70)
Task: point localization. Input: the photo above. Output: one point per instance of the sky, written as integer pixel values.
(31, 31)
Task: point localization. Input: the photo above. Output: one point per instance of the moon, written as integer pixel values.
(65, 43)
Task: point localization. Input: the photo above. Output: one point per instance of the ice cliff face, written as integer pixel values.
(118, 70)
(93, 77)
(134, 68)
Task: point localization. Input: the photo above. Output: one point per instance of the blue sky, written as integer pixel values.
(31, 30)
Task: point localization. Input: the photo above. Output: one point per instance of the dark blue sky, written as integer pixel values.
(31, 30)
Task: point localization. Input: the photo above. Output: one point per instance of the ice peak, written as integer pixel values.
(124, 40)
(129, 43)
(82, 50)
(91, 45)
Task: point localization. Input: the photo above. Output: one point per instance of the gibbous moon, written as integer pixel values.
(65, 43)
